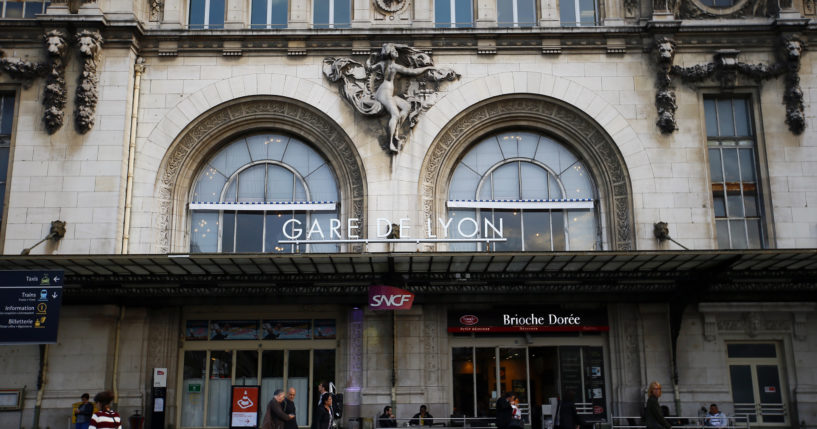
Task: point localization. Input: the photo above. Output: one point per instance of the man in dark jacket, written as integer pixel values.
(504, 410)
(289, 409)
(387, 420)
(568, 416)
(275, 417)
(423, 418)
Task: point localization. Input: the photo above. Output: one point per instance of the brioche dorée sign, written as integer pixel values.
(383, 297)
(528, 319)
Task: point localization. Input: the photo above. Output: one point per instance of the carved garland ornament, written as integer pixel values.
(326, 134)
(90, 45)
(725, 70)
(598, 149)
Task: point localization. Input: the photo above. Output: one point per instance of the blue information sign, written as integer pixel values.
(30, 306)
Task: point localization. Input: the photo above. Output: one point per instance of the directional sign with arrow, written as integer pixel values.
(30, 306)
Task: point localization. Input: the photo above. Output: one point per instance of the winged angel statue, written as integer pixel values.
(372, 90)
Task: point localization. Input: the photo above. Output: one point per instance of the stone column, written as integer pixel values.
(351, 396)
(613, 12)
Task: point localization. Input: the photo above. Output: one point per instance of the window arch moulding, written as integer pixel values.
(207, 133)
(549, 116)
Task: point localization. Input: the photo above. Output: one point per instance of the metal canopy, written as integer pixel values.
(136, 268)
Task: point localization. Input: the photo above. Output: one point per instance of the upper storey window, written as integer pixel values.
(206, 14)
(578, 13)
(453, 13)
(332, 14)
(733, 171)
(516, 13)
(269, 14)
(6, 122)
(538, 191)
(22, 9)
(260, 190)
(718, 4)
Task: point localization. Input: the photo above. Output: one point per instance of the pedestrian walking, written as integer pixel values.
(654, 416)
(105, 418)
(323, 414)
(289, 409)
(275, 417)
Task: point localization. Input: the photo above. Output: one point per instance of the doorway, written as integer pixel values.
(757, 384)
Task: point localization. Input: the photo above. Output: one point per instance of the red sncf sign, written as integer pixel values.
(389, 298)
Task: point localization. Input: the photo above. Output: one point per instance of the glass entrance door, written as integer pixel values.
(757, 386)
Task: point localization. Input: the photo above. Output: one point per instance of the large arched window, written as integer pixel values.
(540, 192)
(246, 193)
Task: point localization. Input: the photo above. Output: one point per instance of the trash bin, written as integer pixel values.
(136, 420)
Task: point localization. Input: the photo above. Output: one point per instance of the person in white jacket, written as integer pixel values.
(715, 418)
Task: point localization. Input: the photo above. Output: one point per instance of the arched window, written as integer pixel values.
(540, 192)
(246, 193)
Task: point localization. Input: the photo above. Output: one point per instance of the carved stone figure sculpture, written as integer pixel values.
(665, 96)
(90, 44)
(54, 94)
(375, 88)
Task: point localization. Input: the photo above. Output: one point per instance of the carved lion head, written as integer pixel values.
(89, 42)
(793, 48)
(55, 43)
(666, 49)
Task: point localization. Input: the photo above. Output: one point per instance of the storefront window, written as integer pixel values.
(195, 364)
(218, 397)
(260, 189)
(540, 193)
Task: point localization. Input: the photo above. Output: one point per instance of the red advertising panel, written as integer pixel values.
(389, 298)
(244, 406)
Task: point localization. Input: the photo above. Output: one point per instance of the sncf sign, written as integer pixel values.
(389, 298)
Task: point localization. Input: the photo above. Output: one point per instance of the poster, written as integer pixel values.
(195, 330)
(287, 329)
(325, 329)
(244, 406)
(234, 330)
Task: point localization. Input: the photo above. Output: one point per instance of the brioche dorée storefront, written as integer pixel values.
(540, 353)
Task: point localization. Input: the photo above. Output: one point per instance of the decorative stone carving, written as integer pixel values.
(327, 136)
(55, 93)
(695, 9)
(725, 69)
(90, 45)
(22, 70)
(73, 5)
(391, 6)
(631, 8)
(753, 324)
(374, 88)
(157, 7)
(597, 148)
(710, 327)
(800, 320)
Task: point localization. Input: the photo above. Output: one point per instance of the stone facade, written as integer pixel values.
(595, 87)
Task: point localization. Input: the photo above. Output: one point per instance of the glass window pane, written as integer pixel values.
(526, 12)
(740, 377)
(742, 120)
(504, 12)
(298, 377)
(230, 193)
(485, 366)
(323, 370)
(251, 184)
(249, 232)
(719, 204)
(196, 20)
(323, 219)
(558, 222)
(544, 377)
(734, 204)
(769, 392)
(231, 158)
(570, 366)
(755, 235)
(588, 11)
(513, 373)
(322, 184)
(228, 232)
(6, 114)
(343, 13)
(209, 186)
(462, 370)
(725, 121)
(715, 167)
(218, 395)
(751, 350)
(483, 156)
(4, 163)
(464, 13)
(280, 14)
(280, 184)
(511, 229)
(750, 204)
(302, 158)
(738, 230)
(537, 230)
(272, 375)
(534, 181)
(14, 9)
(204, 233)
(320, 17)
(33, 8)
(506, 182)
(747, 165)
(217, 15)
(258, 19)
(246, 368)
(193, 388)
(711, 117)
(442, 13)
(456, 215)
(722, 232)
(567, 13)
(582, 229)
(275, 232)
(463, 184)
(554, 155)
(730, 165)
(576, 181)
